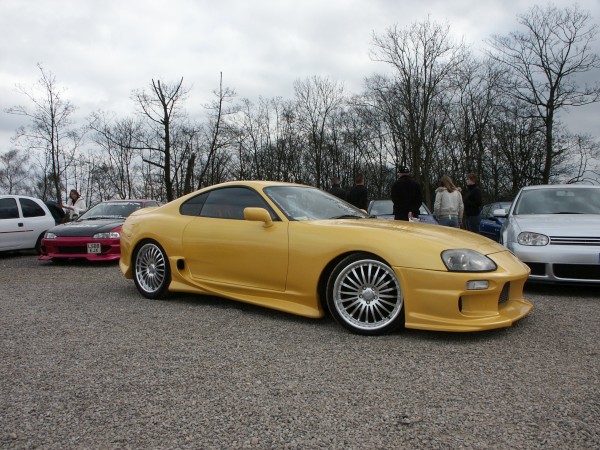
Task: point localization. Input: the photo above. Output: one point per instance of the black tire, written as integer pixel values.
(151, 270)
(38, 244)
(364, 295)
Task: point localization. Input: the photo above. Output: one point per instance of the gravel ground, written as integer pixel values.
(88, 363)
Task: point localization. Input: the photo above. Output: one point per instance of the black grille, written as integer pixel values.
(72, 250)
(570, 240)
(504, 295)
(537, 268)
(577, 271)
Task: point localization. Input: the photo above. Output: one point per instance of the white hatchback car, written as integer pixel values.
(555, 230)
(23, 222)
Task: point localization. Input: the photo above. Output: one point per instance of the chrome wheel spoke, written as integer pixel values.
(150, 268)
(367, 295)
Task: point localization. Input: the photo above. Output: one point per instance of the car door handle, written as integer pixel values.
(20, 224)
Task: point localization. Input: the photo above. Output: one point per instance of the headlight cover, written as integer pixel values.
(531, 238)
(108, 235)
(50, 235)
(467, 260)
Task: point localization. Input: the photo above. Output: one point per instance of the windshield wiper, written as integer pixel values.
(347, 216)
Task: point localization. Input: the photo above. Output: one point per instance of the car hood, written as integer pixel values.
(559, 224)
(86, 227)
(440, 236)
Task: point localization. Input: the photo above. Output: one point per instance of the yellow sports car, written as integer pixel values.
(298, 249)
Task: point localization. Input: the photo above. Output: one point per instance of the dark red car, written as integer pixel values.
(95, 235)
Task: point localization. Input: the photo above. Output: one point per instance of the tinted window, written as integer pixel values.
(193, 206)
(8, 208)
(31, 208)
(229, 203)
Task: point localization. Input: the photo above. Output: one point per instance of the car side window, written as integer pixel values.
(31, 208)
(193, 206)
(8, 208)
(229, 203)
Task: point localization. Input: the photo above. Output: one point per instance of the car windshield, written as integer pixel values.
(111, 210)
(559, 201)
(382, 207)
(386, 208)
(306, 203)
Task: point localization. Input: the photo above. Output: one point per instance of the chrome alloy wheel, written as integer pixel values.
(150, 268)
(367, 295)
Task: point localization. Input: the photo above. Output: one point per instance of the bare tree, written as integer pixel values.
(218, 136)
(51, 129)
(13, 172)
(116, 141)
(317, 99)
(545, 59)
(161, 107)
(423, 58)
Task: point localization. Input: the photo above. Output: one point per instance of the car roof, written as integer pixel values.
(561, 186)
(20, 196)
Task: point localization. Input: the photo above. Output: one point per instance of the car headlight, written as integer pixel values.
(531, 238)
(466, 260)
(108, 235)
(50, 235)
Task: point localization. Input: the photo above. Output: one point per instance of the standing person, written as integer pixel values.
(472, 203)
(448, 207)
(75, 205)
(359, 195)
(406, 196)
(336, 188)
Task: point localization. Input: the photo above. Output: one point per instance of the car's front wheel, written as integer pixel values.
(152, 273)
(364, 295)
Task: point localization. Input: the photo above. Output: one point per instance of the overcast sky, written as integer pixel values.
(101, 50)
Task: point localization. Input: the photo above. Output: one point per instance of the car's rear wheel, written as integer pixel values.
(364, 295)
(152, 273)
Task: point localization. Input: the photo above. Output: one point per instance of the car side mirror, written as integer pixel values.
(258, 215)
(503, 213)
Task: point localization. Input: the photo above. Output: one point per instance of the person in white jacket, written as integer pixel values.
(448, 207)
(75, 205)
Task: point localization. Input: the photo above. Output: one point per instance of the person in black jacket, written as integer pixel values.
(406, 196)
(472, 202)
(336, 188)
(359, 195)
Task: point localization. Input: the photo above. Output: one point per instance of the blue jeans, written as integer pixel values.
(449, 221)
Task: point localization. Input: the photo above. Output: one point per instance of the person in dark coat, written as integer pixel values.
(359, 195)
(472, 202)
(336, 188)
(406, 195)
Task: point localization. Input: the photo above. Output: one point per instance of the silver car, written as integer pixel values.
(555, 230)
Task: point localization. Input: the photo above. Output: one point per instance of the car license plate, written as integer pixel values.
(94, 247)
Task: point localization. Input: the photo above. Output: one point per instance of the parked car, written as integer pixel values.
(23, 222)
(384, 209)
(94, 236)
(490, 224)
(298, 249)
(555, 230)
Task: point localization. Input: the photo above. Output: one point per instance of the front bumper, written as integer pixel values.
(77, 247)
(437, 300)
(569, 264)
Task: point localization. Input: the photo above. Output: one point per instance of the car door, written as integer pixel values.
(13, 233)
(221, 246)
(36, 219)
(487, 226)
